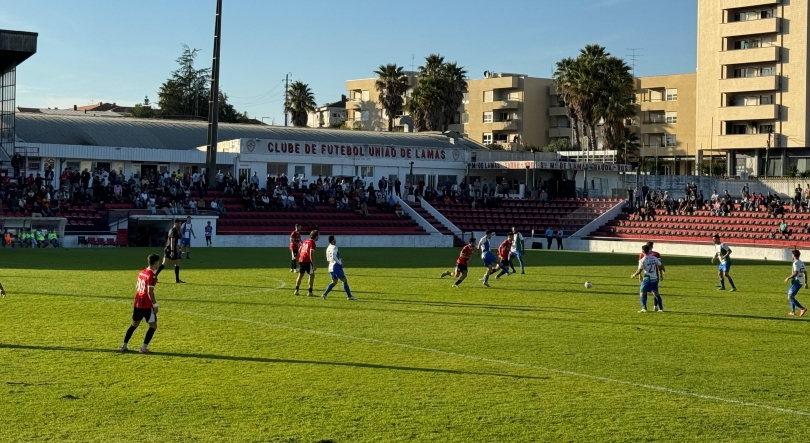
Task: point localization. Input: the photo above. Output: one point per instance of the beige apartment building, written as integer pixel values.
(752, 84)
(666, 121)
(509, 110)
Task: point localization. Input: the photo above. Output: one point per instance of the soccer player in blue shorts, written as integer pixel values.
(651, 266)
(796, 279)
(722, 253)
(336, 270)
(517, 249)
(486, 255)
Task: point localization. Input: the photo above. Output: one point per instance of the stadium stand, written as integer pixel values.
(572, 214)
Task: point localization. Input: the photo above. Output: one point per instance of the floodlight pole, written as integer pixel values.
(213, 103)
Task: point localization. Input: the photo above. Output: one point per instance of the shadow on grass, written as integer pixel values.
(270, 361)
(736, 316)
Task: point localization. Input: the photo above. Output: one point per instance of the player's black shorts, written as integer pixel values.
(147, 314)
(306, 268)
(461, 268)
(170, 254)
(505, 261)
(294, 253)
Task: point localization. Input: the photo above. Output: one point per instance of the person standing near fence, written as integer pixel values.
(549, 237)
(559, 236)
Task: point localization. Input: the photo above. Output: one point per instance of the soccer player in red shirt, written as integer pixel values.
(654, 254)
(146, 306)
(461, 263)
(504, 251)
(305, 265)
(295, 243)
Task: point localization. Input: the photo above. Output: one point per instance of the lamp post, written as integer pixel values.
(526, 191)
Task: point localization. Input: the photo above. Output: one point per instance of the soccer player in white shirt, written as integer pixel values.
(651, 266)
(722, 253)
(187, 230)
(517, 249)
(336, 269)
(796, 279)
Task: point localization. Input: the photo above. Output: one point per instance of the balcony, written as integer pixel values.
(557, 111)
(513, 125)
(505, 104)
(502, 82)
(755, 55)
(735, 4)
(744, 141)
(750, 27)
(747, 84)
(657, 105)
(749, 113)
(658, 127)
(559, 132)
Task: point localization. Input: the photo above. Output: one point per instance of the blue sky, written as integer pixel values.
(102, 50)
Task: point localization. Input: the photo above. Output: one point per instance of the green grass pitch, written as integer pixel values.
(537, 357)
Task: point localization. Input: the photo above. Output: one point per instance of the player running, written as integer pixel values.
(306, 265)
(517, 250)
(172, 251)
(651, 266)
(209, 232)
(187, 230)
(487, 256)
(146, 306)
(461, 263)
(295, 244)
(798, 276)
(336, 269)
(722, 253)
(504, 252)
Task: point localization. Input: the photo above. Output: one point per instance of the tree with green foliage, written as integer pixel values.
(597, 87)
(143, 110)
(392, 83)
(187, 93)
(300, 102)
(438, 95)
(558, 144)
(630, 146)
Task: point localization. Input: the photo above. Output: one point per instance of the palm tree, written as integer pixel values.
(630, 146)
(425, 104)
(433, 66)
(565, 77)
(299, 103)
(454, 85)
(392, 84)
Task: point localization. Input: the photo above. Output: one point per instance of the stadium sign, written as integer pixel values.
(335, 150)
(556, 166)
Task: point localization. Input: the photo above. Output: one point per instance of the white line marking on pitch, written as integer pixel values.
(484, 359)
(503, 362)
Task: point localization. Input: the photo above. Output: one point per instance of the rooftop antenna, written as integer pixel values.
(633, 57)
(413, 65)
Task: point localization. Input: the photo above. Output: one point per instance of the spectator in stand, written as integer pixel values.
(220, 179)
(151, 207)
(398, 187)
(343, 204)
(16, 164)
(192, 206)
(783, 231)
(399, 212)
(309, 203)
(215, 206)
(645, 191)
(254, 180)
(797, 193)
(485, 187)
(201, 204)
(362, 209)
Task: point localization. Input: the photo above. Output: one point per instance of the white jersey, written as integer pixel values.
(333, 257)
(722, 250)
(650, 264)
(801, 272)
(483, 245)
(517, 239)
(186, 230)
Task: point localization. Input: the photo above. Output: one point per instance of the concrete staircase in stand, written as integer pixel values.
(434, 222)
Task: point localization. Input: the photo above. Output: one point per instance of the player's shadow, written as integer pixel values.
(272, 361)
(736, 316)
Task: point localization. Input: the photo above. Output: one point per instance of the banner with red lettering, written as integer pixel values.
(557, 166)
(338, 150)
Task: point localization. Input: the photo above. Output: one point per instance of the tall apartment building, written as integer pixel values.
(666, 121)
(752, 83)
(510, 110)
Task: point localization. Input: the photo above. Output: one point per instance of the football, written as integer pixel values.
(588, 285)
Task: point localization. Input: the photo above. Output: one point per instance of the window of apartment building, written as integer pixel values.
(506, 116)
(487, 139)
(465, 97)
(670, 140)
(488, 96)
(671, 117)
(754, 15)
(321, 170)
(501, 137)
(672, 95)
(656, 96)
(560, 122)
(365, 96)
(766, 129)
(740, 129)
(465, 118)
(399, 113)
(655, 141)
(762, 71)
(363, 116)
(755, 42)
(515, 96)
(488, 117)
